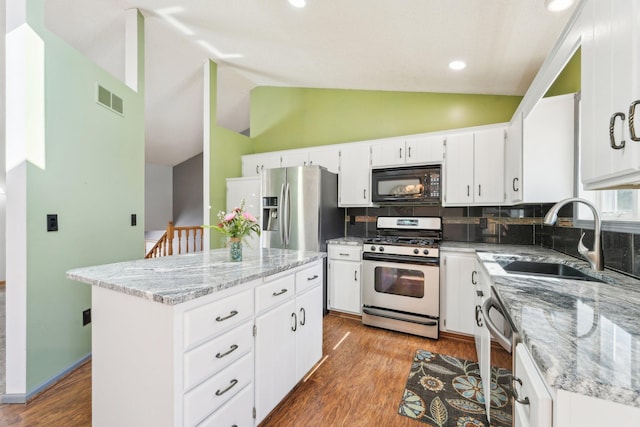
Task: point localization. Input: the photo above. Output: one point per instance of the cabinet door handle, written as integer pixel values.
(364, 194)
(303, 315)
(295, 322)
(632, 114)
(612, 137)
(478, 318)
(515, 180)
(479, 190)
(228, 352)
(257, 169)
(314, 277)
(523, 401)
(355, 275)
(222, 319)
(401, 153)
(409, 153)
(276, 294)
(474, 280)
(467, 191)
(231, 385)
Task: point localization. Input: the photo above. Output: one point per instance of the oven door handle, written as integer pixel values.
(388, 316)
(367, 256)
(503, 340)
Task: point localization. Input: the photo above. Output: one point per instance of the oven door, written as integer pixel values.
(401, 296)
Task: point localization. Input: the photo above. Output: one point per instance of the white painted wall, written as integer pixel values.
(158, 196)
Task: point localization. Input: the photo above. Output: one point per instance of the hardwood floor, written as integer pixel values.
(359, 384)
(362, 379)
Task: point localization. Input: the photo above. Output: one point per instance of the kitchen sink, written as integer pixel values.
(548, 269)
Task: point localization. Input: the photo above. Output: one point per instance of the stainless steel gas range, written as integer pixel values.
(401, 275)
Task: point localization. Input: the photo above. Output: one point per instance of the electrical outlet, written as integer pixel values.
(52, 222)
(483, 224)
(86, 317)
(134, 220)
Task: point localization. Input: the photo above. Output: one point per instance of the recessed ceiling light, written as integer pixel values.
(457, 65)
(298, 3)
(558, 5)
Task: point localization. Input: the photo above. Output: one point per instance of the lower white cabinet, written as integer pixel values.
(288, 338)
(458, 278)
(344, 272)
(532, 404)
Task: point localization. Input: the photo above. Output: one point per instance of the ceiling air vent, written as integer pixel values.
(110, 100)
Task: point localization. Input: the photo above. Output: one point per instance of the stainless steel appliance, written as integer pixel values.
(401, 275)
(414, 185)
(300, 210)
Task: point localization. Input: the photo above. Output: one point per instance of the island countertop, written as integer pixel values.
(176, 279)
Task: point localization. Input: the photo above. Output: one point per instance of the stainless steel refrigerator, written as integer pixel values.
(300, 210)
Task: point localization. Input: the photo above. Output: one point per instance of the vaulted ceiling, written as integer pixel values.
(352, 44)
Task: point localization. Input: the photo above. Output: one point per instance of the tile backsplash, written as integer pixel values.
(521, 225)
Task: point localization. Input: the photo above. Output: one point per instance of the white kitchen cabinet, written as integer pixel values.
(539, 153)
(254, 164)
(401, 151)
(288, 334)
(325, 156)
(532, 405)
(459, 284)
(578, 410)
(344, 272)
(474, 168)
(354, 179)
(610, 157)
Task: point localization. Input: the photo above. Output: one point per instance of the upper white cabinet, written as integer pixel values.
(407, 151)
(610, 152)
(254, 164)
(354, 179)
(474, 168)
(325, 156)
(539, 153)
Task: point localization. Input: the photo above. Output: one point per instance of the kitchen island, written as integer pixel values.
(194, 338)
(584, 336)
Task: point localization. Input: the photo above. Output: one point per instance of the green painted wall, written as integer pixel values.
(93, 178)
(568, 81)
(286, 118)
(226, 147)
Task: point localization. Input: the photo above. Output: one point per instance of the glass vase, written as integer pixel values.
(235, 249)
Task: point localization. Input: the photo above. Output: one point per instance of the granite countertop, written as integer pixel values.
(175, 279)
(584, 336)
(351, 241)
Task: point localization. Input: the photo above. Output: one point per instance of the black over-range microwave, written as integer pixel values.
(413, 184)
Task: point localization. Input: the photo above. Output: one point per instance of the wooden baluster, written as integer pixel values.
(170, 230)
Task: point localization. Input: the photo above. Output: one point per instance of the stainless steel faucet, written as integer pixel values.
(595, 256)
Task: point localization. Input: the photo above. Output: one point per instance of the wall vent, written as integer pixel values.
(110, 100)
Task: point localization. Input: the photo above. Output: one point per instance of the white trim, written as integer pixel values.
(206, 138)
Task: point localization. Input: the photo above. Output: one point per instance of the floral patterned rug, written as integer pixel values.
(445, 391)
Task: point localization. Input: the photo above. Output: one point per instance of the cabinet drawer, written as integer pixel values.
(236, 412)
(538, 412)
(217, 390)
(274, 292)
(309, 277)
(212, 356)
(206, 321)
(345, 252)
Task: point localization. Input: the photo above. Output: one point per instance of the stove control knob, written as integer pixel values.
(381, 248)
(373, 248)
(416, 251)
(426, 252)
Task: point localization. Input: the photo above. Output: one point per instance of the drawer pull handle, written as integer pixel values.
(231, 385)
(478, 317)
(314, 277)
(222, 319)
(517, 398)
(275, 294)
(231, 350)
(343, 254)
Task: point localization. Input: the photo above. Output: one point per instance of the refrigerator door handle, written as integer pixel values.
(288, 213)
(281, 216)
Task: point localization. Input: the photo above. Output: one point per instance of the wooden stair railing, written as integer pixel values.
(193, 236)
